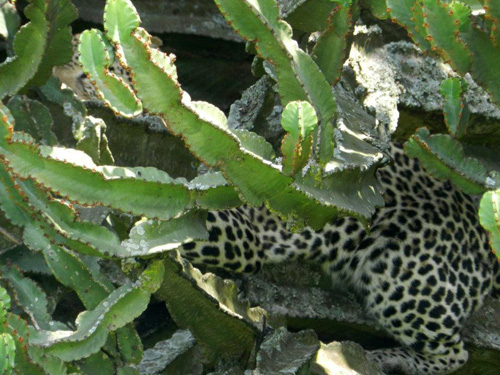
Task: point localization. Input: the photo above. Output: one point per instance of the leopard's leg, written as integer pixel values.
(407, 361)
(420, 301)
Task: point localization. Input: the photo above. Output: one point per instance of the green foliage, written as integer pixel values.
(155, 82)
(120, 307)
(447, 29)
(334, 37)
(96, 62)
(9, 22)
(39, 45)
(7, 344)
(444, 157)
(142, 214)
(213, 303)
(299, 120)
(489, 214)
(470, 45)
(456, 112)
(7, 353)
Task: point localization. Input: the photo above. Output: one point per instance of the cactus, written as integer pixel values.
(334, 38)
(298, 78)
(489, 209)
(323, 169)
(299, 120)
(25, 111)
(446, 28)
(469, 45)
(213, 303)
(7, 344)
(93, 326)
(455, 109)
(38, 46)
(124, 101)
(444, 157)
(30, 297)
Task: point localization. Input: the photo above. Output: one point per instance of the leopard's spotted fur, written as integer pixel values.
(424, 267)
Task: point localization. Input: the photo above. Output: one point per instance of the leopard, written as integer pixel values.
(421, 269)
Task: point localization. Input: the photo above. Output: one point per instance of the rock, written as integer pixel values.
(342, 358)
(398, 77)
(285, 353)
(165, 352)
(198, 17)
(304, 302)
(483, 327)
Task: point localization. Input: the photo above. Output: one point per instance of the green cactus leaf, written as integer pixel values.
(18, 330)
(9, 196)
(330, 49)
(58, 49)
(29, 45)
(119, 308)
(299, 78)
(24, 203)
(117, 353)
(9, 21)
(377, 7)
(4, 304)
(94, 142)
(68, 229)
(36, 237)
(129, 344)
(146, 238)
(33, 118)
(311, 15)
(95, 59)
(26, 260)
(209, 113)
(204, 303)
(7, 354)
(299, 121)
(39, 45)
(443, 23)
(30, 297)
(98, 363)
(50, 364)
(443, 157)
(492, 8)
(489, 216)
(153, 236)
(29, 359)
(143, 191)
(456, 112)
(255, 143)
(200, 126)
(408, 13)
(70, 271)
(259, 22)
(216, 192)
(485, 62)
